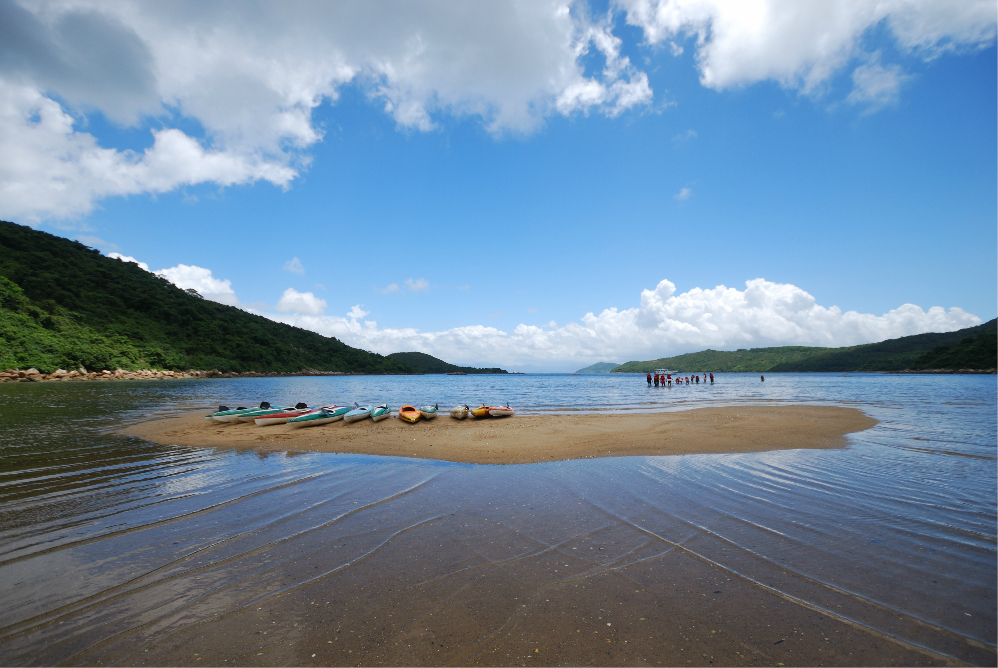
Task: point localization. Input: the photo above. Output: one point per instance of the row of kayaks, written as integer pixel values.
(301, 415)
(413, 414)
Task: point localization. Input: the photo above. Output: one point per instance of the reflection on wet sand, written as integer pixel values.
(116, 550)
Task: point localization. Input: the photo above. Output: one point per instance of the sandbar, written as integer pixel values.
(528, 439)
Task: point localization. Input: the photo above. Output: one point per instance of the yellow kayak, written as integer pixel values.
(481, 411)
(409, 413)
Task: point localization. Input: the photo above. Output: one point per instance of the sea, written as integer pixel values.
(114, 550)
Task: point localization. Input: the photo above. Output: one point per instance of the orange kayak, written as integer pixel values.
(409, 413)
(481, 411)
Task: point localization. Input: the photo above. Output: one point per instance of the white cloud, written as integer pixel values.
(304, 303)
(417, 285)
(875, 85)
(802, 44)
(357, 313)
(683, 194)
(295, 266)
(251, 80)
(128, 258)
(388, 289)
(663, 324)
(52, 170)
(187, 277)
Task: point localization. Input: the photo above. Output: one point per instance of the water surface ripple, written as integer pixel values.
(115, 550)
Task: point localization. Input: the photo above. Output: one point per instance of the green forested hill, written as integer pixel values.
(971, 348)
(599, 367)
(756, 359)
(423, 363)
(64, 305)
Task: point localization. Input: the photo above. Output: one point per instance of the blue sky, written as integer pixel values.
(863, 180)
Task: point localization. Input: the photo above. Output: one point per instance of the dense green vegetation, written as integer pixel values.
(973, 352)
(971, 348)
(599, 367)
(64, 304)
(756, 359)
(423, 363)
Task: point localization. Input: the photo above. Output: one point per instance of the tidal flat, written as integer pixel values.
(117, 549)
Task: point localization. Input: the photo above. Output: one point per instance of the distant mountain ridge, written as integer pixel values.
(423, 363)
(973, 348)
(599, 367)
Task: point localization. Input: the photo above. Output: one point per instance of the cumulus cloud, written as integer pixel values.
(190, 277)
(128, 258)
(357, 313)
(251, 80)
(662, 324)
(417, 285)
(802, 44)
(683, 194)
(295, 266)
(52, 170)
(305, 303)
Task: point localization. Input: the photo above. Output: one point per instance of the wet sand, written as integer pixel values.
(530, 439)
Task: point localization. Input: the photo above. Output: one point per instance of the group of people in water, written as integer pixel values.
(665, 379)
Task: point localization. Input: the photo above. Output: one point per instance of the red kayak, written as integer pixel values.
(281, 418)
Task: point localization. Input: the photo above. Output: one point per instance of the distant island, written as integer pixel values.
(972, 349)
(423, 363)
(599, 367)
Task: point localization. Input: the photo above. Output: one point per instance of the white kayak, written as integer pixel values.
(501, 411)
(324, 415)
(359, 413)
(459, 412)
(428, 412)
(381, 412)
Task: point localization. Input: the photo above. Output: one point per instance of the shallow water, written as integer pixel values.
(114, 550)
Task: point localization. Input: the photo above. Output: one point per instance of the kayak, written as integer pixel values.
(226, 414)
(381, 412)
(324, 415)
(250, 416)
(481, 411)
(459, 412)
(428, 412)
(501, 411)
(409, 414)
(281, 418)
(359, 413)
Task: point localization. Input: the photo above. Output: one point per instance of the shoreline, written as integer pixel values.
(530, 439)
(61, 375)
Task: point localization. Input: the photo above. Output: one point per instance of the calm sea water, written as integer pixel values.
(110, 546)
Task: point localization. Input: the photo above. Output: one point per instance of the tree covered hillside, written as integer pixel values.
(65, 304)
(971, 348)
(423, 363)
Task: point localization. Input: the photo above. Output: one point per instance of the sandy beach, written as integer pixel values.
(526, 439)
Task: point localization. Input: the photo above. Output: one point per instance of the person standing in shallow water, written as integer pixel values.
(649, 379)
(711, 379)
(763, 378)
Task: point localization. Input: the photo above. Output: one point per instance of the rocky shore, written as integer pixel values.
(34, 375)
